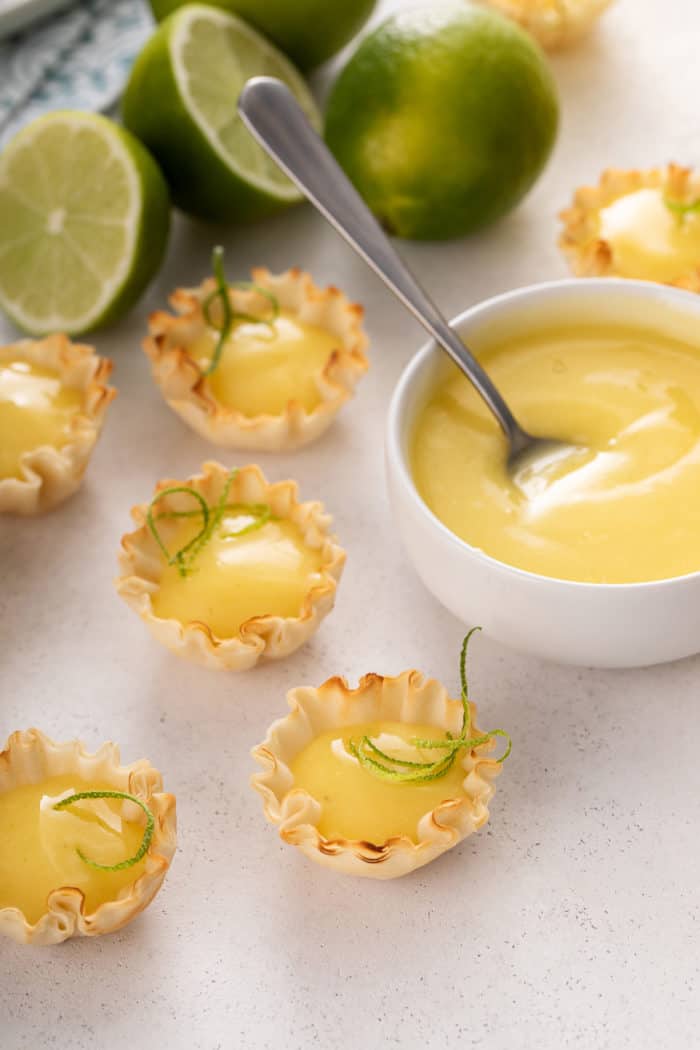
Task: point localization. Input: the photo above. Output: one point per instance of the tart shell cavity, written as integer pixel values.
(409, 698)
(587, 250)
(189, 393)
(50, 474)
(265, 636)
(31, 757)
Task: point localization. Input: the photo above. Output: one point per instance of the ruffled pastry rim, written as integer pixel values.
(187, 391)
(590, 255)
(30, 757)
(262, 637)
(552, 27)
(50, 474)
(408, 697)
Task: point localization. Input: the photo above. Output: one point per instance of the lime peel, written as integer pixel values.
(181, 102)
(147, 835)
(84, 218)
(404, 771)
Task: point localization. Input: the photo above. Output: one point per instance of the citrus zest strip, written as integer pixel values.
(403, 771)
(184, 558)
(229, 315)
(147, 835)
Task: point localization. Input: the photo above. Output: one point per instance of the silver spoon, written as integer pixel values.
(272, 115)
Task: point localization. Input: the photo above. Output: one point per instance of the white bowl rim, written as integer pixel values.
(585, 286)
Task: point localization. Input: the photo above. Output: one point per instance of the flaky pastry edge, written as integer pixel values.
(408, 697)
(262, 637)
(553, 27)
(30, 757)
(590, 255)
(49, 474)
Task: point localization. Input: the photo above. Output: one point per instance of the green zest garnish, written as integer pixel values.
(147, 835)
(402, 771)
(228, 315)
(211, 520)
(681, 210)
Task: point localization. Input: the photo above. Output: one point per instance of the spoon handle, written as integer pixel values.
(273, 116)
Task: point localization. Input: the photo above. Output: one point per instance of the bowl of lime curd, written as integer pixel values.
(596, 563)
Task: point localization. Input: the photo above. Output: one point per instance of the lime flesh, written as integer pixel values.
(443, 118)
(84, 216)
(308, 31)
(181, 102)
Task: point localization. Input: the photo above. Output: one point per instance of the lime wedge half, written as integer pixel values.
(181, 102)
(84, 214)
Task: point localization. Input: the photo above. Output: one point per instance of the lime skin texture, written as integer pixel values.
(308, 31)
(203, 182)
(154, 230)
(443, 119)
(66, 167)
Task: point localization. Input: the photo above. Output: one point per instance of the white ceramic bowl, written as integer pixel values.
(591, 624)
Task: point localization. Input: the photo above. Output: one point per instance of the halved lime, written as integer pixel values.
(308, 31)
(181, 102)
(84, 216)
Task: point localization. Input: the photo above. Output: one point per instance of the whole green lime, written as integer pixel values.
(309, 31)
(443, 118)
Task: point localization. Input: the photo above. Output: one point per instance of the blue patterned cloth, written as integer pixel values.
(78, 59)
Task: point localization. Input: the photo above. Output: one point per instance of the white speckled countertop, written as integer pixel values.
(573, 919)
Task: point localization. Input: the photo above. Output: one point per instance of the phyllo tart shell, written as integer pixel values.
(30, 757)
(553, 23)
(50, 474)
(188, 392)
(267, 637)
(591, 255)
(409, 698)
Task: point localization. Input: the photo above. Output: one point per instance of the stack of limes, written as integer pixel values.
(443, 118)
(84, 208)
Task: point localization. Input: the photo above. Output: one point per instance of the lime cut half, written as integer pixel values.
(213, 55)
(181, 102)
(83, 223)
(307, 31)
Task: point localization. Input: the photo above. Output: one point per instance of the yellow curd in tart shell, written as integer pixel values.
(268, 571)
(355, 804)
(626, 510)
(264, 367)
(648, 239)
(39, 845)
(35, 410)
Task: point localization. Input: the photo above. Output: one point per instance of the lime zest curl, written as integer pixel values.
(229, 314)
(405, 771)
(184, 558)
(680, 209)
(147, 835)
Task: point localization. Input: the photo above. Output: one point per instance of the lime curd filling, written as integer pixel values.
(355, 804)
(39, 845)
(265, 366)
(35, 409)
(268, 571)
(628, 510)
(648, 239)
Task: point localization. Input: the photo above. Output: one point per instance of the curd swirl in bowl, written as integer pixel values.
(628, 509)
